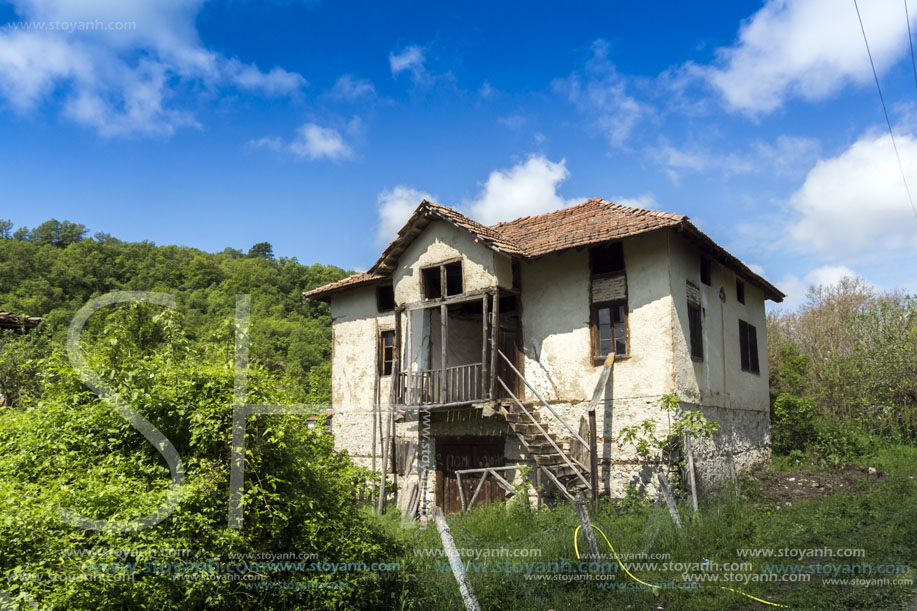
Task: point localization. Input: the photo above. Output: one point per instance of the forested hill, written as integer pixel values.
(54, 269)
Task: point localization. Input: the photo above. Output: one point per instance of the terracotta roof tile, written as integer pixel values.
(594, 221)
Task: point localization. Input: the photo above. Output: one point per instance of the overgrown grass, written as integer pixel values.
(878, 517)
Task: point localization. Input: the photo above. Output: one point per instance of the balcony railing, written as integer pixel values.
(461, 384)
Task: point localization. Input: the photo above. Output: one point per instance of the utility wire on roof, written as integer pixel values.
(884, 109)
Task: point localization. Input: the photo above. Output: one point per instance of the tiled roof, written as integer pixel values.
(530, 237)
(8, 320)
(348, 282)
(591, 222)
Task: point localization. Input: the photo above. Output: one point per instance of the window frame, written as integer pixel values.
(749, 360)
(379, 306)
(593, 251)
(383, 333)
(706, 273)
(740, 291)
(596, 347)
(696, 340)
(443, 279)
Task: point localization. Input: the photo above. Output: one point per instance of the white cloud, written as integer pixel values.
(795, 288)
(601, 93)
(410, 58)
(526, 189)
(395, 208)
(120, 80)
(317, 142)
(854, 205)
(756, 268)
(805, 49)
(348, 88)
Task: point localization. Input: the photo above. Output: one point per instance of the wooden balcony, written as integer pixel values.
(458, 385)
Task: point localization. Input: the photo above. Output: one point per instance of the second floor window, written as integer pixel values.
(386, 352)
(748, 347)
(443, 280)
(609, 329)
(695, 330)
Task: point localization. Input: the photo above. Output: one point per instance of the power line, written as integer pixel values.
(910, 40)
(884, 109)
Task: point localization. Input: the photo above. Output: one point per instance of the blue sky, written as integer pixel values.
(317, 126)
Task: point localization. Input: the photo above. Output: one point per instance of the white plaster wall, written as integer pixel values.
(718, 381)
(440, 241)
(556, 332)
(356, 324)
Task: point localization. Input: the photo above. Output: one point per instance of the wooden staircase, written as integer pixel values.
(556, 465)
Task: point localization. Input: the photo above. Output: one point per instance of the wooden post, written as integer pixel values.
(393, 395)
(584, 521)
(692, 480)
(444, 339)
(730, 463)
(455, 561)
(670, 501)
(484, 347)
(593, 459)
(494, 343)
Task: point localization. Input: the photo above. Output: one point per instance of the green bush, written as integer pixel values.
(792, 423)
(70, 450)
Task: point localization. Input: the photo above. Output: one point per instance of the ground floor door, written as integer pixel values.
(468, 452)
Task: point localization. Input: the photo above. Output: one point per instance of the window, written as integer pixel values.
(431, 278)
(705, 270)
(606, 259)
(740, 291)
(748, 347)
(454, 281)
(695, 330)
(385, 298)
(448, 276)
(386, 352)
(609, 329)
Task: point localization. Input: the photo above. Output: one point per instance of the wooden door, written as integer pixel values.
(457, 453)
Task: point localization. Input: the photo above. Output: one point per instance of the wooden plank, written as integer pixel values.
(444, 339)
(593, 462)
(494, 343)
(455, 561)
(592, 546)
(483, 345)
(477, 490)
(458, 477)
(730, 463)
(670, 501)
(692, 480)
(501, 481)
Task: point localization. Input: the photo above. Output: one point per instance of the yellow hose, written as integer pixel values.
(655, 587)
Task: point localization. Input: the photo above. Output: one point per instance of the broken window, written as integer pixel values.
(386, 352)
(740, 291)
(609, 329)
(454, 281)
(448, 276)
(431, 277)
(385, 298)
(748, 347)
(696, 331)
(705, 270)
(606, 259)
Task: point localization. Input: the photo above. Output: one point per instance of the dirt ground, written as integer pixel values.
(789, 486)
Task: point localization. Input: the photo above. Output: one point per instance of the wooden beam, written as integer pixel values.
(670, 501)
(484, 347)
(393, 394)
(455, 561)
(444, 339)
(591, 545)
(692, 480)
(477, 490)
(494, 343)
(593, 459)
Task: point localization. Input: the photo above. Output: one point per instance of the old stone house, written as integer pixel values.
(485, 345)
